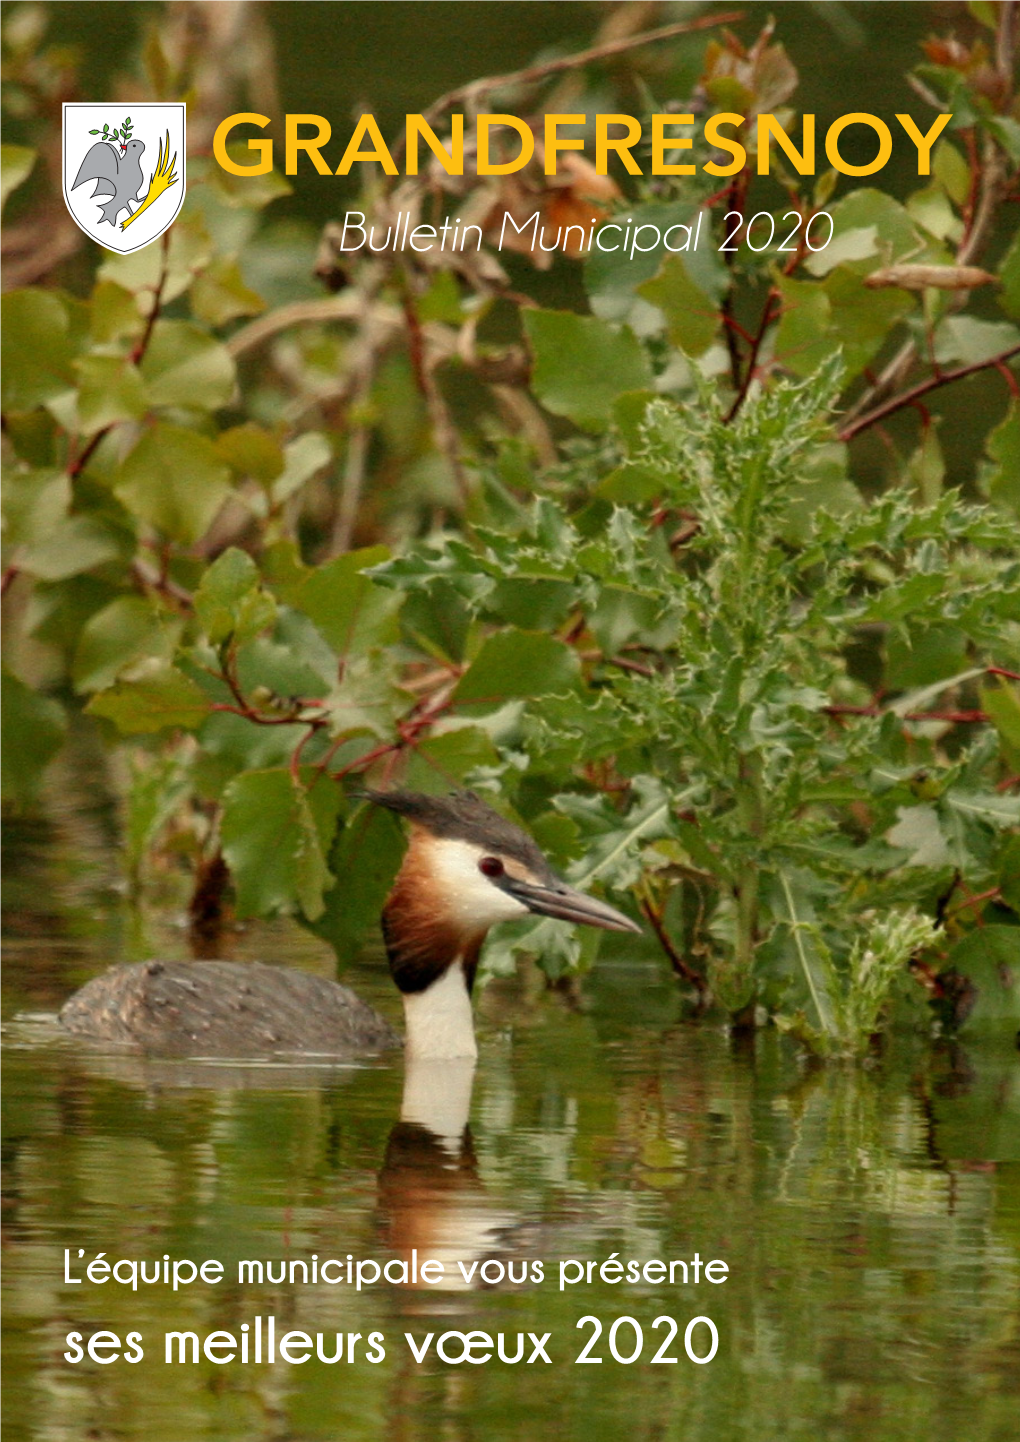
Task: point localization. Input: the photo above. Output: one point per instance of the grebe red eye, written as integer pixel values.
(491, 866)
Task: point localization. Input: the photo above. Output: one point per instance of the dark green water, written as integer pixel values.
(869, 1218)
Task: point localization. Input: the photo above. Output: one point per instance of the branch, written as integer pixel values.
(348, 305)
(910, 397)
(150, 580)
(676, 961)
(475, 89)
(76, 466)
(767, 317)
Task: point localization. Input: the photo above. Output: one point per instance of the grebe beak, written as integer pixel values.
(566, 904)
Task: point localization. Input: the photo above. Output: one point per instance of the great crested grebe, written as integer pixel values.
(466, 869)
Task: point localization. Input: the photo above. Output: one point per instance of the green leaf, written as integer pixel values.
(1001, 474)
(990, 957)
(951, 171)
(276, 836)
(142, 271)
(918, 658)
(251, 451)
(448, 758)
(76, 544)
(966, 340)
(175, 480)
(861, 318)
(692, 319)
(847, 246)
(302, 458)
(865, 207)
(349, 608)
(246, 192)
(611, 840)
(35, 502)
(219, 294)
(803, 338)
(365, 700)
(122, 633)
(33, 730)
(184, 366)
(1009, 274)
(927, 467)
(582, 365)
(366, 854)
(16, 162)
(1002, 703)
(109, 390)
(163, 698)
(1007, 132)
(114, 313)
(613, 278)
(517, 664)
(158, 787)
(230, 602)
(38, 348)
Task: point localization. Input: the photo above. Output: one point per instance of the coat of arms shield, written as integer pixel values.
(124, 170)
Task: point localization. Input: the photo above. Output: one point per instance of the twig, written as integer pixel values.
(76, 466)
(737, 193)
(346, 306)
(910, 397)
(443, 428)
(157, 301)
(529, 74)
(151, 580)
(676, 961)
(975, 901)
(359, 438)
(767, 317)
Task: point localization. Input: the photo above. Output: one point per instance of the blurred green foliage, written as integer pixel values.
(611, 568)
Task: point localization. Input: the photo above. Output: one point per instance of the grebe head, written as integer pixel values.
(466, 869)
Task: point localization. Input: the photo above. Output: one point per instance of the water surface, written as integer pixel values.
(869, 1217)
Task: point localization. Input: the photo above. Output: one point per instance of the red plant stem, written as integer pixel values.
(1009, 378)
(676, 961)
(76, 466)
(911, 396)
(752, 360)
(975, 901)
(250, 714)
(295, 756)
(157, 302)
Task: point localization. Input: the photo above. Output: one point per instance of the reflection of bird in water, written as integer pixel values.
(431, 1198)
(434, 1205)
(118, 176)
(466, 868)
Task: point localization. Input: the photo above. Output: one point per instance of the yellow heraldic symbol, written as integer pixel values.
(163, 178)
(113, 176)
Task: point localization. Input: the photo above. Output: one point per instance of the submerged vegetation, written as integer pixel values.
(636, 569)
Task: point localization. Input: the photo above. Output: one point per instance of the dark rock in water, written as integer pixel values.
(224, 1008)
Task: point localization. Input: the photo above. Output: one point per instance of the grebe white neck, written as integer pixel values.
(439, 1021)
(437, 1096)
